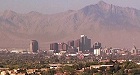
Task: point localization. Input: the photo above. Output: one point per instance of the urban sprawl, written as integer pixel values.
(76, 57)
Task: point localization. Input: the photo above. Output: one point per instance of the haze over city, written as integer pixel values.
(114, 23)
(69, 37)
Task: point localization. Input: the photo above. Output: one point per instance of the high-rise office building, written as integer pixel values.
(62, 47)
(71, 43)
(85, 43)
(97, 45)
(54, 46)
(77, 45)
(97, 48)
(34, 46)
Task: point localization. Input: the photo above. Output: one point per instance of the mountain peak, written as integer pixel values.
(102, 3)
(34, 13)
(104, 6)
(9, 12)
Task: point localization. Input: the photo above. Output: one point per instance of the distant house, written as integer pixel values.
(55, 66)
(98, 66)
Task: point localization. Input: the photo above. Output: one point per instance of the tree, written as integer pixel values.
(116, 67)
(51, 72)
(44, 72)
(120, 72)
(68, 69)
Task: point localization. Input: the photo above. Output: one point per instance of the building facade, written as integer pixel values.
(85, 43)
(34, 46)
(62, 47)
(54, 46)
(97, 49)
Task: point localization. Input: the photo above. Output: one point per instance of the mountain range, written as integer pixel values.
(113, 26)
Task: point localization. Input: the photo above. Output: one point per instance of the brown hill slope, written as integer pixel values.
(112, 25)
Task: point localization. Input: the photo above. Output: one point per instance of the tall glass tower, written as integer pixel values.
(34, 46)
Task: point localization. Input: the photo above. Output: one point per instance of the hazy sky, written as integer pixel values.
(55, 6)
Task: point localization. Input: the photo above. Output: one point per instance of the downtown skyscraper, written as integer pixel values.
(85, 43)
(34, 46)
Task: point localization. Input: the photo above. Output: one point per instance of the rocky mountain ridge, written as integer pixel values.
(109, 24)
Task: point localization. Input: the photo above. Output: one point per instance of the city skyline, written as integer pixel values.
(69, 37)
(54, 6)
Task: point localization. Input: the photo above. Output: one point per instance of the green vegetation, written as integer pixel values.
(80, 66)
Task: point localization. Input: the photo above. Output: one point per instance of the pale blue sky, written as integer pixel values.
(55, 6)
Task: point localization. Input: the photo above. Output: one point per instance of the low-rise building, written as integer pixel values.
(98, 66)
